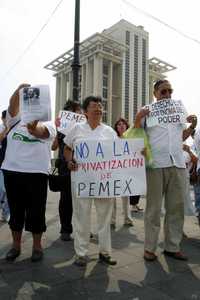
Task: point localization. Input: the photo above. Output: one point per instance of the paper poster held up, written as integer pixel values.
(67, 119)
(35, 103)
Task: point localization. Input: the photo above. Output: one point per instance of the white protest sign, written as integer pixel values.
(68, 119)
(109, 168)
(35, 103)
(166, 111)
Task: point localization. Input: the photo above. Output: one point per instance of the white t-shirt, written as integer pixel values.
(166, 144)
(83, 131)
(197, 146)
(26, 153)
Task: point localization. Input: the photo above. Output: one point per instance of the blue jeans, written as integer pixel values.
(3, 198)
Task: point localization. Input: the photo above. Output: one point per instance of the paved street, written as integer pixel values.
(132, 279)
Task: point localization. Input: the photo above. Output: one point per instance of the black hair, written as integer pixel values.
(118, 121)
(3, 114)
(72, 105)
(89, 99)
(158, 83)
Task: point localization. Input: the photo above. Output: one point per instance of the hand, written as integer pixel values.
(23, 85)
(186, 148)
(144, 152)
(31, 126)
(72, 165)
(193, 120)
(57, 122)
(143, 113)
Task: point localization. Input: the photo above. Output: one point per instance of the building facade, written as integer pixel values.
(114, 65)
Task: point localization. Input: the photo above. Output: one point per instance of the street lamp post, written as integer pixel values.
(76, 62)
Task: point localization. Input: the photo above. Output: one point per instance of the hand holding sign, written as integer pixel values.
(193, 120)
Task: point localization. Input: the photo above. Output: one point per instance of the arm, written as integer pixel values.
(187, 132)
(68, 154)
(3, 134)
(139, 116)
(191, 154)
(38, 130)
(55, 144)
(13, 108)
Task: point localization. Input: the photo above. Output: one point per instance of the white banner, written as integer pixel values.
(68, 119)
(166, 111)
(35, 103)
(109, 168)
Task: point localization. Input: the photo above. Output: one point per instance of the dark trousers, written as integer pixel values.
(134, 200)
(65, 205)
(27, 195)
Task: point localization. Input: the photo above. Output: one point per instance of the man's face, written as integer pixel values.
(164, 91)
(94, 111)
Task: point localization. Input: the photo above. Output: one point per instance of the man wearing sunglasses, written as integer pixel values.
(166, 179)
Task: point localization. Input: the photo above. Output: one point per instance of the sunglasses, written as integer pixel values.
(164, 91)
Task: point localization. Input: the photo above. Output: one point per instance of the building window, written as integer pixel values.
(127, 76)
(105, 81)
(105, 89)
(105, 93)
(144, 78)
(135, 83)
(105, 67)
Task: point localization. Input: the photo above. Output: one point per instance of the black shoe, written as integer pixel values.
(37, 255)
(106, 259)
(12, 254)
(176, 255)
(65, 237)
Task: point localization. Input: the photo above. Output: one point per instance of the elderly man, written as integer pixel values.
(166, 179)
(92, 129)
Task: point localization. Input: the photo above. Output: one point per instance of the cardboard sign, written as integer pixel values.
(68, 119)
(109, 168)
(166, 111)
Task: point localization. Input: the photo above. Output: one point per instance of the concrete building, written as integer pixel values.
(115, 65)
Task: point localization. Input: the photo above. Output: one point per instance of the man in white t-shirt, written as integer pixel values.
(166, 179)
(93, 129)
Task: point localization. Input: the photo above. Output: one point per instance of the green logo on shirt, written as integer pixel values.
(20, 137)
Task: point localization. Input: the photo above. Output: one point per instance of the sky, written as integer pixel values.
(22, 20)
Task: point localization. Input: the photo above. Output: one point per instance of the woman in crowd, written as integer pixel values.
(190, 159)
(25, 168)
(65, 202)
(120, 127)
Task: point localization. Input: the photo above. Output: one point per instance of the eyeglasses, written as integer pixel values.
(165, 91)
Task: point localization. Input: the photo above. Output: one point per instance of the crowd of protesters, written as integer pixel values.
(26, 164)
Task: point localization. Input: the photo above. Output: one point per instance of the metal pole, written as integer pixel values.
(76, 62)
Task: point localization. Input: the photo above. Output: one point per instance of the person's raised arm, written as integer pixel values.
(139, 116)
(13, 107)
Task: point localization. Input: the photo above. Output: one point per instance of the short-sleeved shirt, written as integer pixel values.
(197, 146)
(26, 153)
(83, 131)
(166, 144)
